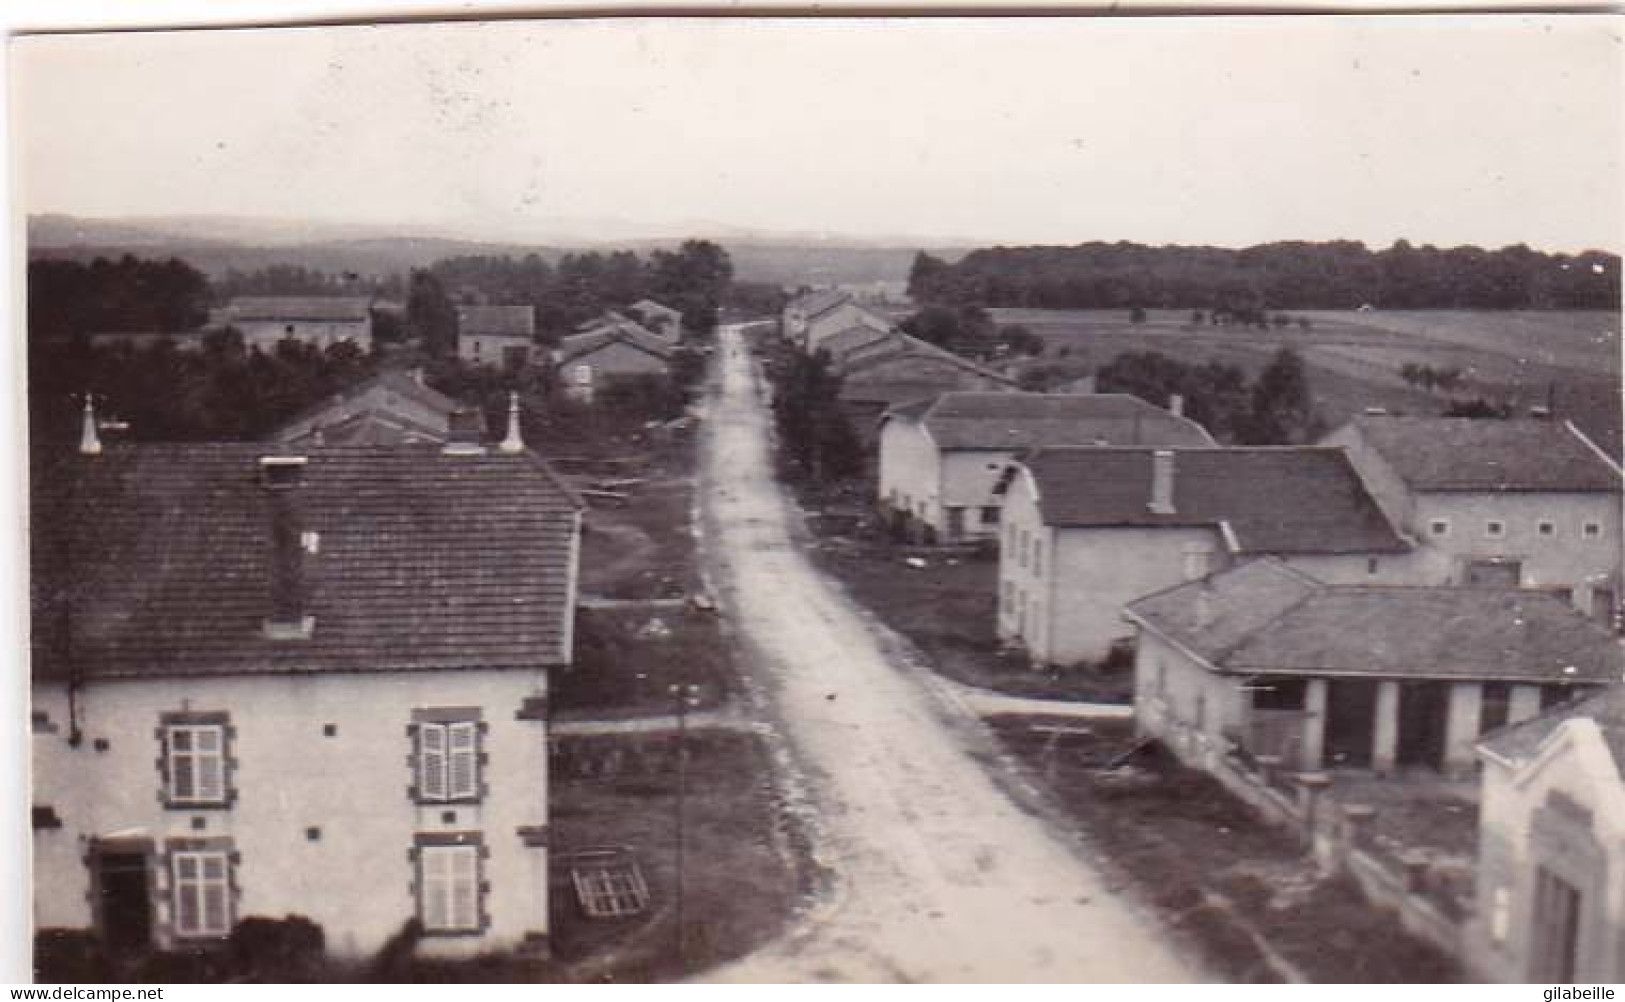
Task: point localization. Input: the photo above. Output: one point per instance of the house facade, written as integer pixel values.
(394, 408)
(1551, 854)
(1264, 660)
(321, 321)
(587, 363)
(1521, 503)
(843, 316)
(271, 683)
(496, 335)
(942, 459)
(1088, 530)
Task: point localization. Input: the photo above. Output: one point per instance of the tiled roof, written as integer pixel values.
(395, 380)
(604, 319)
(1280, 499)
(299, 308)
(1262, 617)
(627, 333)
(156, 560)
(496, 321)
(992, 420)
(906, 346)
(1467, 454)
(844, 342)
(818, 302)
(1520, 741)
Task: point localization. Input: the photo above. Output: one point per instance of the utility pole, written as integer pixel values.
(684, 696)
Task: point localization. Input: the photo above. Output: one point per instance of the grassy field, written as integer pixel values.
(1219, 875)
(1520, 358)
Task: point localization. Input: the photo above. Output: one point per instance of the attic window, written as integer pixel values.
(282, 471)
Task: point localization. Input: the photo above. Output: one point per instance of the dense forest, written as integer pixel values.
(1289, 275)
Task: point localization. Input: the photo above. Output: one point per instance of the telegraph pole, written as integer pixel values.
(684, 696)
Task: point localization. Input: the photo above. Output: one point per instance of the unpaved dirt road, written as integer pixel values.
(938, 874)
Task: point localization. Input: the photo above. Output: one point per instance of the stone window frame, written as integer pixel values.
(194, 720)
(473, 840)
(444, 718)
(168, 922)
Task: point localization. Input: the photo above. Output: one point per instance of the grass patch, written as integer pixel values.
(1212, 867)
(625, 659)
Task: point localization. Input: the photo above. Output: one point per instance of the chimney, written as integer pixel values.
(1176, 405)
(464, 428)
(282, 477)
(514, 443)
(1162, 482)
(89, 443)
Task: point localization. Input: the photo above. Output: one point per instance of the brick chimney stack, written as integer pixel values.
(289, 619)
(1176, 405)
(1162, 482)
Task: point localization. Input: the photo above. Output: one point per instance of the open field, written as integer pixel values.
(1521, 358)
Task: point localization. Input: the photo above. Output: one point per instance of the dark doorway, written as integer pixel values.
(124, 899)
(1424, 709)
(1556, 928)
(1351, 717)
(1494, 574)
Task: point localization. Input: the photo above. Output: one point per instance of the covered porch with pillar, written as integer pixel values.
(1381, 725)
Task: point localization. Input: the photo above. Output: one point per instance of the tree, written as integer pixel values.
(430, 315)
(1018, 340)
(817, 438)
(1281, 410)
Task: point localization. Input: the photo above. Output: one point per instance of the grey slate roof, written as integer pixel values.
(819, 302)
(497, 321)
(1467, 454)
(1521, 741)
(299, 308)
(396, 381)
(1262, 617)
(993, 420)
(1276, 499)
(155, 560)
(626, 332)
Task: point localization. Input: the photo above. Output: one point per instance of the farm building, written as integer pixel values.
(588, 362)
(496, 335)
(322, 321)
(941, 458)
(1522, 503)
(1551, 855)
(1264, 660)
(394, 408)
(271, 682)
(902, 369)
(659, 319)
(800, 312)
(1088, 530)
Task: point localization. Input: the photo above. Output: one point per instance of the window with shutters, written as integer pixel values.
(447, 759)
(450, 892)
(194, 761)
(200, 894)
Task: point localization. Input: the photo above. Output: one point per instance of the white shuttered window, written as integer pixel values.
(449, 888)
(196, 763)
(449, 761)
(202, 893)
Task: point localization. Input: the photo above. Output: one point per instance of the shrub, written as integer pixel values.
(281, 949)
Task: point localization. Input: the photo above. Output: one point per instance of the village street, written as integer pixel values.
(938, 874)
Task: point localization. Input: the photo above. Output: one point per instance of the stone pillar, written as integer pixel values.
(1461, 726)
(1314, 725)
(1385, 728)
(1525, 703)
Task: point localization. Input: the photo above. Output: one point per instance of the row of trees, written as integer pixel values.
(815, 437)
(1274, 409)
(1286, 275)
(127, 294)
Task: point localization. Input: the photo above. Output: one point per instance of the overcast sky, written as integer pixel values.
(1488, 130)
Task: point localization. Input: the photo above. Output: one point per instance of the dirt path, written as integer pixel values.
(938, 874)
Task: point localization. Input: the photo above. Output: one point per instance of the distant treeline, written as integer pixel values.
(1290, 275)
(129, 294)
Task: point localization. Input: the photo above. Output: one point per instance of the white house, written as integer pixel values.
(1088, 530)
(496, 335)
(322, 321)
(941, 459)
(609, 353)
(271, 682)
(1524, 503)
(1551, 855)
(1265, 661)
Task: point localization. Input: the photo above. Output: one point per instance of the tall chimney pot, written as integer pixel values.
(90, 444)
(1176, 405)
(1162, 482)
